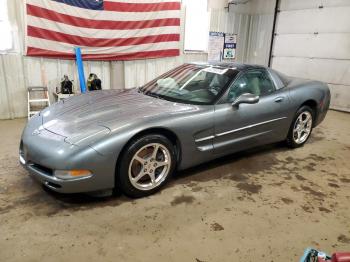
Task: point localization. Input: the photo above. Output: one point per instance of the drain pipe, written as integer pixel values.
(273, 31)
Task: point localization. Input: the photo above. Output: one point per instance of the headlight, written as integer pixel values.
(72, 174)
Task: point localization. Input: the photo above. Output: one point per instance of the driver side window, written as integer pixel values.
(255, 82)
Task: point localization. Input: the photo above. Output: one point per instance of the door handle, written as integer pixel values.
(279, 99)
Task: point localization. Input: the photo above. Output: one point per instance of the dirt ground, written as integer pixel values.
(266, 204)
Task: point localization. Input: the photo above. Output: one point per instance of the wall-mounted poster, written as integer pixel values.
(230, 46)
(216, 46)
(229, 53)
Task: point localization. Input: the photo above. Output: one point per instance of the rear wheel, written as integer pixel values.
(301, 127)
(146, 165)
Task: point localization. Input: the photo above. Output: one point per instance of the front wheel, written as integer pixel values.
(301, 127)
(146, 165)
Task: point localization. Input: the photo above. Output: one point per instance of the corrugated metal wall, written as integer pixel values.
(17, 72)
(253, 26)
(313, 42)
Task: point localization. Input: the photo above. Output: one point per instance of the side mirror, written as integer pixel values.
(246, 98)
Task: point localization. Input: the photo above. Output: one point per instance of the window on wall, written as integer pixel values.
(6, 42)
(196, 25)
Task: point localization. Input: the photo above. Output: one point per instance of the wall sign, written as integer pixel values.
(215, 46)
(221, 46)
(230, 46)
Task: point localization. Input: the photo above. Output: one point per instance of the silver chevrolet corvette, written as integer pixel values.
(134, 140)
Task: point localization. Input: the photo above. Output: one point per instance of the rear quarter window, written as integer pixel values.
(281, 80)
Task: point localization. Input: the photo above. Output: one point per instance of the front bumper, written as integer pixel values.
(46, 178)
(42, 152)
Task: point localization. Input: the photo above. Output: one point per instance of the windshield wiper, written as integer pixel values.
(153, 95)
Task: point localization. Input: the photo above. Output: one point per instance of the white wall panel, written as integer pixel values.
(329, 71)
(263, 6)
(34, 71)
(332, 46)
(117, 75)
(310, 4)
(255, 31)
(330, 3)
(241, 26)
(334, 72)
(314, 43)
(258, 45)
(5, 109)
(340, 97)
(325, 20)
(12, 75)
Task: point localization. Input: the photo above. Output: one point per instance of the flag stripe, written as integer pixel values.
(142, 1)
(33, 51)
(140, 7)
(104, 29)
(94, 5)
(67, 48)
(97, 33)
(122, 6)
(100, 24)
(99, 42)
(103, 15)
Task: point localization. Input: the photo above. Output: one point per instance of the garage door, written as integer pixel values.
(313, 41)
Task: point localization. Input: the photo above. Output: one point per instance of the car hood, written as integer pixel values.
(87, 117)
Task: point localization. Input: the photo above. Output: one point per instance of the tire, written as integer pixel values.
(146, 165)
(297, 136)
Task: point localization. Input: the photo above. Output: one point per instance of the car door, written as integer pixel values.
(247, 125)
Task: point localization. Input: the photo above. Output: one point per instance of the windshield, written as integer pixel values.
(189, 83)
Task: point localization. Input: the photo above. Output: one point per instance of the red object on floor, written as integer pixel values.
(341, 257)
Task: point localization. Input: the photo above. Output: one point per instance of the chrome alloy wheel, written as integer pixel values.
(150, 166)
(302, 127)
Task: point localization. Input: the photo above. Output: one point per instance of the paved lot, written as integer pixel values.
(267, 204)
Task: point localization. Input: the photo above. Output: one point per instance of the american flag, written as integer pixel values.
(104, 29)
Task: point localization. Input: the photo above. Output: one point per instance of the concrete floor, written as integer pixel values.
(261, 205)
